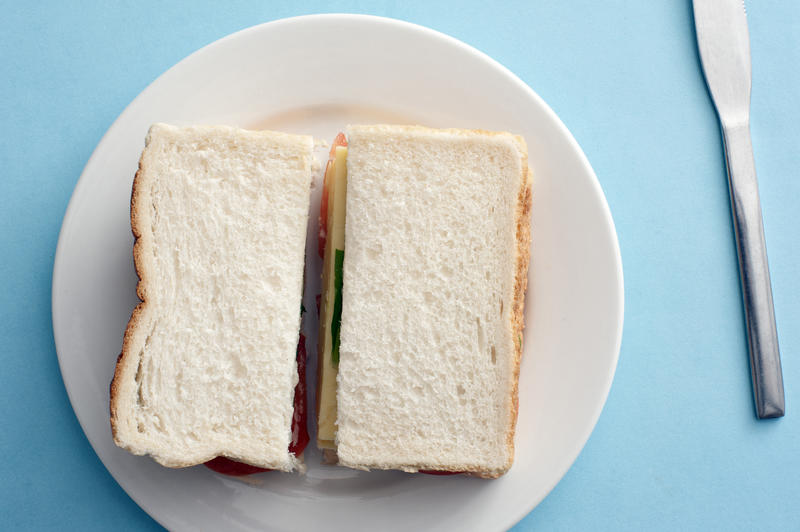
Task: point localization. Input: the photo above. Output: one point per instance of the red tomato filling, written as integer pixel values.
(300, 438)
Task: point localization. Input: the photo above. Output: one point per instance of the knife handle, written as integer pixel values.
(762, 336)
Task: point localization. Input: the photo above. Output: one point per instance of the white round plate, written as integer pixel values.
(314, 75)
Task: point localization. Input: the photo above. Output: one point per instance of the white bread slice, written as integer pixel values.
(208, 360)
(437, 239)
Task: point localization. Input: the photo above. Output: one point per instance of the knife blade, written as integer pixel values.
(723, 42)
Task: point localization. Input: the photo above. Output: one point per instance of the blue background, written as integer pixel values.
(677, 446)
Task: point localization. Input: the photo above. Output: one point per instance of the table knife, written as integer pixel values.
(724, 46)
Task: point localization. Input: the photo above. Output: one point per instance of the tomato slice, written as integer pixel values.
(340, 140)
(226, 466)
(300, 437)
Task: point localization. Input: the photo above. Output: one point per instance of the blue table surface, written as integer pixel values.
(677, 446)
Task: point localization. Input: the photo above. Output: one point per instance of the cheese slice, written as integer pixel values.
(328, 366)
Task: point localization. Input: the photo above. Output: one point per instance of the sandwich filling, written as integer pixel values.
(331, 246)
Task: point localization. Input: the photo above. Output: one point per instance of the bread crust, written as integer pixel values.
(524, 207)
(136, 316)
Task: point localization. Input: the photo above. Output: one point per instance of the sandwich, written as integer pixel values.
(210, 358)
(425, 237)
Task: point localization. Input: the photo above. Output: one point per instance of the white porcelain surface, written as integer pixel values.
(314, 75)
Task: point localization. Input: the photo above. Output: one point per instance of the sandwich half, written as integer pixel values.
(426, 238)
(208, 364)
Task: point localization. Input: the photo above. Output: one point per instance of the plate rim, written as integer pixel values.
(508, 519)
